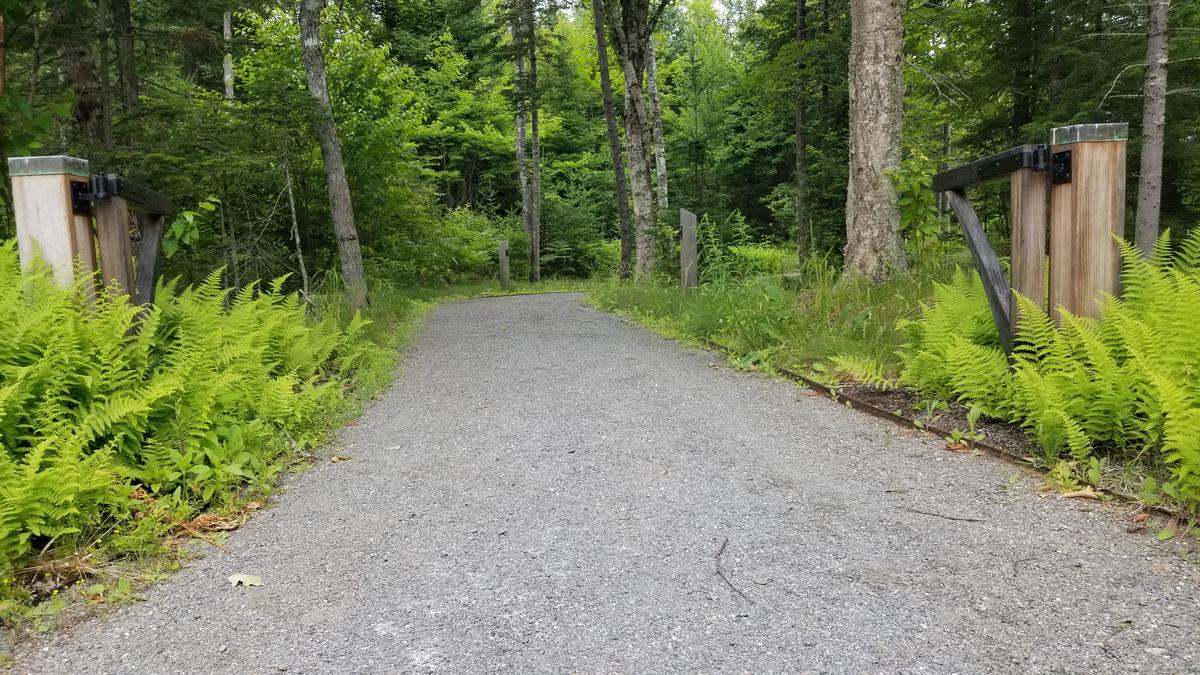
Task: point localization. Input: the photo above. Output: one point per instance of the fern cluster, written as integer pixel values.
(1127, 385)
(190, 399)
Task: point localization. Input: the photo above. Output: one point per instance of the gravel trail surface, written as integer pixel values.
(546, 488)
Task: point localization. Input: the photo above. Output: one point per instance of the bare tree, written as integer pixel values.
(656, 130)
(1154, 119)
(632, 23)
(873, 246)
(227, 34)
(614, 141)
(340, 207)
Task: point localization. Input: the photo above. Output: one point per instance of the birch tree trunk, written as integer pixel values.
(656, 129)
(126, 60)
(227, 33)
(804, 234)
(614, 142)
(1154, 118)
(535, 156)
(873, 246)
(340, 206)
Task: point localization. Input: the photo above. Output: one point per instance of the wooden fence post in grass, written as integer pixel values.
(112, 235)
(502, 256)
(687, 249)
(1087, 209)
(49, 222)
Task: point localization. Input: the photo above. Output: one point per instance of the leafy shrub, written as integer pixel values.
(1125, 386)
(203, 394)
(763, 258)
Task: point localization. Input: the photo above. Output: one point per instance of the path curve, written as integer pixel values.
(546, 488)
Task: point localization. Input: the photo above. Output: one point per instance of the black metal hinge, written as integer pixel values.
(1060, 166)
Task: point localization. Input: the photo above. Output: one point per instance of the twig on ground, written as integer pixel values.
(1016, 563)
(939, 515)
(721, 573)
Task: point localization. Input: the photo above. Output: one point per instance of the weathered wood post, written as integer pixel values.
(1030, 192)
(112, 236)
(50, 222)
(1087, 208)
(687, 249)
(502, 258)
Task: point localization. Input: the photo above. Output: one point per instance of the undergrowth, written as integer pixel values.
(1124, 389)
(118, 425)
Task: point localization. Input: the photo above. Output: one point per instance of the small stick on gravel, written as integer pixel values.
(721, 573)
(939, 515)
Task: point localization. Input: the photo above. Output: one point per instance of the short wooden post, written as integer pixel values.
(112, 235)
(1030, 195)
(687, 249)
(47, 225)
(1087, 209)
(502, 259)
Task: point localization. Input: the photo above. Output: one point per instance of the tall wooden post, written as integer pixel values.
(1087, 213)
(687, 249)
(112, 235)
(1030, 207)
(147, 258)
(502, 259)
(47, 225)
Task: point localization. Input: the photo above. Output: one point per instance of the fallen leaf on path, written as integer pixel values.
(212, 522)
(960, 448)
(245, 580)
(1085, 493)
(253, 505)
(341, 458)
(1141, 517)
(1168, 532)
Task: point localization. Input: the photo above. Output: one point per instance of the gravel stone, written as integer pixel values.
(546, 488)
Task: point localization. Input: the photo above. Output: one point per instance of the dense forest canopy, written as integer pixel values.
(747, 102)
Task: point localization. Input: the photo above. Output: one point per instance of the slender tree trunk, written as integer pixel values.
(873, 246)
(3, 53)
(287, 181)
(520, 86)
(340, 206)
(614, 142)
(227, 33)
(804, 233)
(1154, 118)
(77, 59)
(106, 34)
(656, 130)
(535, 156)
(1024, 51)
(126, 61)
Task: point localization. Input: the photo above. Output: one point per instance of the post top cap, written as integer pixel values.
(1082, 133)
(50, 165)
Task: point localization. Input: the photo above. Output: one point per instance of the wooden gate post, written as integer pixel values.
(1087, 208)
(46, 220)
(502, 258)
(687, 249)
(112, 235)
(1030, 191)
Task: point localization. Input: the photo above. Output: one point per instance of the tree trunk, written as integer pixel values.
(77, 59)
(873, 246)
(522, 162)
(614, 142)
(126, 63)
(656, 130)
(1024, 50)
(227, 33)
(1154, 118)
(804, 233)
(106, 33)
(340, 207)
(287, 181)
(535, 156)
(3, 53)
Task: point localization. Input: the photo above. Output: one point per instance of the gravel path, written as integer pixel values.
(546, 488)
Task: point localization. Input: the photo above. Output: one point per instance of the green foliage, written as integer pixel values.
(1122, 388)
(205, 393)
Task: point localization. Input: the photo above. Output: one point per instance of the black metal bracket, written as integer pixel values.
(1060, 164)
(105, 186)
(993, 167)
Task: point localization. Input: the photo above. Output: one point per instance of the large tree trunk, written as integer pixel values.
(873, 246)
(614, 142)
(126, 63)
(656, 130)
(632, 24)
(804, 234)
(1154, 118)
(227, 34)
(77, 59)
(340, 206)
(535, 156)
